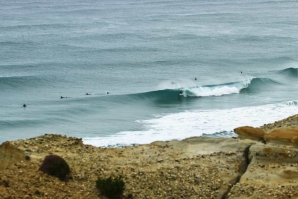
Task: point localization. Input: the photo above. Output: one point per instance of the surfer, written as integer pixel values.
(88, 94)
(180, 93)
(24, 105)
(195, 78)
(62, 97)
(107, 92)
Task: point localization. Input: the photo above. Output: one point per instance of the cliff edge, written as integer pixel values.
(259, 163)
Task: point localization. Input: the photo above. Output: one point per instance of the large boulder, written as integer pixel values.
(248, 132)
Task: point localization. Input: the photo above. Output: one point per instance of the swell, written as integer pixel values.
(56, 112)
(189, 93)
(33, 122)
(6, 124)
(20, 82)
(20, 27)
(258, 84)
(289, 72)
(177, 95)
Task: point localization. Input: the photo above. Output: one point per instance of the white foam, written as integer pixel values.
(195, 123)
(219, 90)
(214, 91)
(203, 91)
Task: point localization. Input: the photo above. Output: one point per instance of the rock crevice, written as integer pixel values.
(242, 170)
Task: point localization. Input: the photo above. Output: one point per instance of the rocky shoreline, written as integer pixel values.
(259, 163)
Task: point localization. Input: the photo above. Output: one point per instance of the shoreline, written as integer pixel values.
(196, 167)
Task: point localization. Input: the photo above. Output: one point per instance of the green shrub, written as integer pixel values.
(56, 166)
(111, 188)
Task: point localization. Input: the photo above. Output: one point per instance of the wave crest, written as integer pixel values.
(218, 90)
(174, 95)
(289, 72)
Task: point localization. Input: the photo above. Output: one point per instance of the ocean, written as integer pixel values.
(172, 68)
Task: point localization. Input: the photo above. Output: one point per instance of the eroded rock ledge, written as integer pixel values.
(261, 163)
(272, 171)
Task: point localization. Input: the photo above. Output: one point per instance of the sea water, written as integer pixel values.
(173, 68)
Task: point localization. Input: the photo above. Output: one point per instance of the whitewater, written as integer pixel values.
(172, 69)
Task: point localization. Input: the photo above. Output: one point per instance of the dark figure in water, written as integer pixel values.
(195, 78)
(88, 94)
(24, 105)
(62, 97)
(180, 93)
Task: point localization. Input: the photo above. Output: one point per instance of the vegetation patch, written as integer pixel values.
(56, 166)
(111, 187)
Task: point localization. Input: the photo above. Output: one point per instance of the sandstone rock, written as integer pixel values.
(207, 145)
(270, 166)
(285, 135)
(248, 132)
(290, 121)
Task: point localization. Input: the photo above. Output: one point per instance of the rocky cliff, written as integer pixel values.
(259, 163)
